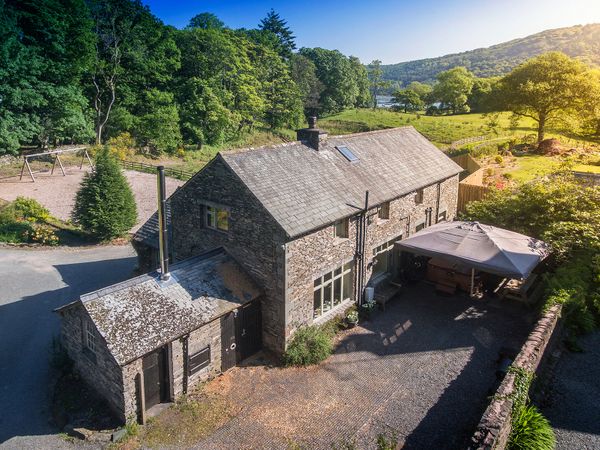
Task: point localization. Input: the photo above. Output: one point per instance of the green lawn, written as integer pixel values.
(441, 130)
(529, 167)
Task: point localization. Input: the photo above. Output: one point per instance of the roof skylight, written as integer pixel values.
(347, 153)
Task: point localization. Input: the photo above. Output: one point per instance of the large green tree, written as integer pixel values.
(206, 21)
(544, 89)
(408, 100)
(304, 74)
(275, 24)
(453, 88)
(345, 80)
(134, 52)
(45, 48)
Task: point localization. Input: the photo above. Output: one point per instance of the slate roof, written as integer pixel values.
(139, 315)
(304, 189)
(148, 232)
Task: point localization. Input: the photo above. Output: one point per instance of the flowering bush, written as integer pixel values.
(42, 235)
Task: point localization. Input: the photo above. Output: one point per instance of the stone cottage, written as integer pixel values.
(305, 226)
(294, 217)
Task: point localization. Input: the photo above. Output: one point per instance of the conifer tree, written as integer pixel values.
(105, 206)
(278, 26)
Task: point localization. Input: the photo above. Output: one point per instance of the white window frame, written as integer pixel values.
(345, 224)
(442, 213)
(321, 284)
(211, 217)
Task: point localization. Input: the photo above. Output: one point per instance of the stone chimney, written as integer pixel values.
(311, 136)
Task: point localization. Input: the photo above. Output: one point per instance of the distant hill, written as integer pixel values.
(582, 41)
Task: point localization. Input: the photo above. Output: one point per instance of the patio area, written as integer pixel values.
(420, 371)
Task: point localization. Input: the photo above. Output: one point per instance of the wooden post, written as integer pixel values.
(29, 169)
(472, 281)
(139, 387)
(89, 160)
(61, 166)
(22, 168)
(53, 165)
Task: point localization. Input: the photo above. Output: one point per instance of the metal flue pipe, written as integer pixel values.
(162, 224)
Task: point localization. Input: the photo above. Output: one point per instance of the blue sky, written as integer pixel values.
(394, 31)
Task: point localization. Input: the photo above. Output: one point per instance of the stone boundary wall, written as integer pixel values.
(495, 425)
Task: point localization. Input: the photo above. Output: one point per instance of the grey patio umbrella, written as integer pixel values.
(482, 247)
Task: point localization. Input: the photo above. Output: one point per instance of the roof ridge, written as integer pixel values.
(383, 130)
(149, 275)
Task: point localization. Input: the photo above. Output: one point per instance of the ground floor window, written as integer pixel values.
(442, 216)
(332, 289)
(90, 337)
(382, 257)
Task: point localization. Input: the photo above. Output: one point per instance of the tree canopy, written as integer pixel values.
(544, 88)
(453, 89)
(76, 71)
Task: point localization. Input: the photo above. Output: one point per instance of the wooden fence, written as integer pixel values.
(149, 168)
(470, 193)
(471, 187)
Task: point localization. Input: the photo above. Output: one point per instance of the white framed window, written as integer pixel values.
(340, 229)
(89, 337)
(442, 216)
(217, 218)
(332, 289)
(382, 257)
(384, 211)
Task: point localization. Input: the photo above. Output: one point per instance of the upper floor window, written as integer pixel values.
(90, 337)
(419, 196)
(340, 229)
(217, 218)
(384, 211)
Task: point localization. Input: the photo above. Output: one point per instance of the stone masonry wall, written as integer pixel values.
(254, 238)
(494, 428)
(209, 334)
(99, 370)
(311, 256)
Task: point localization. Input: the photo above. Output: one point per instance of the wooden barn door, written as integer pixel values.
(248, 330)
(228, 344)
(156, 386)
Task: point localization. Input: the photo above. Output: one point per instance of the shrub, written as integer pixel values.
(531, 431)
(105, 206)
(43, 235)
(25, 209)
(310, 345)
(15, 232)
(122, 146)
(498, 159)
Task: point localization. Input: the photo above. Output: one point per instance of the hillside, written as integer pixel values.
(581, 41)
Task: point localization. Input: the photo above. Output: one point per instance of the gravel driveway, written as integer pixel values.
(57, 193)
(34, 282)
(575, 409)
(421, 371)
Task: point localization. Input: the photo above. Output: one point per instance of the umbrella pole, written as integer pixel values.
(472, 281)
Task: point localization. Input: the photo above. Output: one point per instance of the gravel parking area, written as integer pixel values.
(421, 370)
(57, 192)
(574, 409)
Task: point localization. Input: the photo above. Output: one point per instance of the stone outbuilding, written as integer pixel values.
(145, 341)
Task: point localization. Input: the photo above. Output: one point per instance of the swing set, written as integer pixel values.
(56, 154)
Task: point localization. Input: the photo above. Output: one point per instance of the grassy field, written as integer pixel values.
(441, 130)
